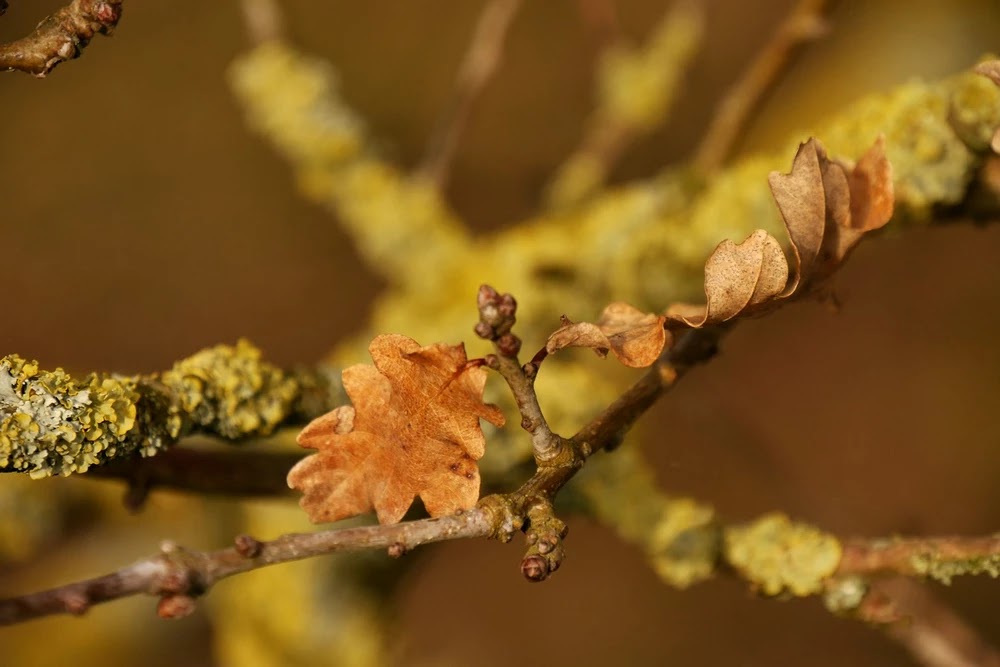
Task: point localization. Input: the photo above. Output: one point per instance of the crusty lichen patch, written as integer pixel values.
(685, 543)
(53, 424)
(231, 391)
(943, 568)
(779, 556)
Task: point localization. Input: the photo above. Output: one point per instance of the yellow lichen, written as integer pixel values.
(685, 543)
(52, 424)
(231, 391)
(780, 556)
(944, 569)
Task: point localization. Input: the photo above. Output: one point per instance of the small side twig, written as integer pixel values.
(480, 62)
(497, 314)
(803, 24)
(60, 37)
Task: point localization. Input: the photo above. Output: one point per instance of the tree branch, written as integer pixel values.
(242, 473)
(803, 24)
(61, 36)
(939, 558)
(480, 62)
(933, 633)
(52, 423)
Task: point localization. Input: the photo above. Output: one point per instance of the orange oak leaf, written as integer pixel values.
(827, 207)
(634, 337)
(413, 430)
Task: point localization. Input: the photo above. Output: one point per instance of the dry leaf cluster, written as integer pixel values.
(827, 206)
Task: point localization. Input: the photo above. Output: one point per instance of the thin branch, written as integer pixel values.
(177, 575)
(61, 36)
(933, 633)
(264, 20)
(478, 66)
(937, 557)
(804, 24)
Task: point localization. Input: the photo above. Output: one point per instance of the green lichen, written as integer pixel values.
(779, 556)
(53, 424)
(941, 567)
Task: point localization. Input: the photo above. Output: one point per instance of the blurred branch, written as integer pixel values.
(480, 62)
(933, 633)
(939, 558)
(635, 89)
(803, 24)
(231, 473)
(61, 36)
(264, 20)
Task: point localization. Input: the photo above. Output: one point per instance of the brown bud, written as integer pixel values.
(397, 550)
(509, 345)
(534, 568)
(175, 606)
(247, 546)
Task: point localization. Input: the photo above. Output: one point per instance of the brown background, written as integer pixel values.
(140, 221)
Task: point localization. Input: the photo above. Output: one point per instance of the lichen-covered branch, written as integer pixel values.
(61, 36)
(52, 423)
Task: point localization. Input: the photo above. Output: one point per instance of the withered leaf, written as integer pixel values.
(826, 205)
(413, 430)
(634, 337)
(738, 278)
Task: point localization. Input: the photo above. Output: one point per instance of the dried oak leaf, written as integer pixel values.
(413, 430)
(826, 205)
(634, 337)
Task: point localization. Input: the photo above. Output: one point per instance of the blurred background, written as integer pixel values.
(140, 221)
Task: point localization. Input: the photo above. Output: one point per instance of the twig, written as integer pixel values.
(264, 20)
(497, 314)
(60, 37)
(937, 557)
(933, 633)
(177, 575)
(478, 65)
(804, 24)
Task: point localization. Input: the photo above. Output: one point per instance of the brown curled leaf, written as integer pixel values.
(826, 205)
(739, 278)
(634, 337)
(413, 430)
